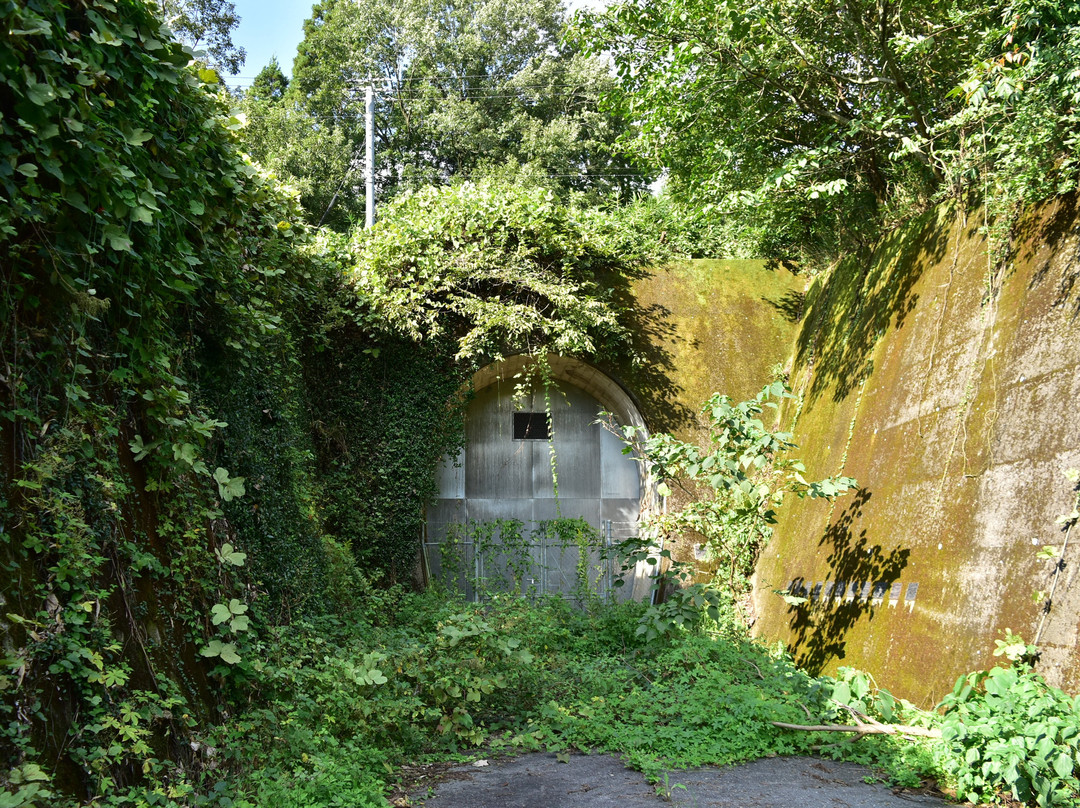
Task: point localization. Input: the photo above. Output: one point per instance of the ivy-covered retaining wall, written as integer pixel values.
(947, 388)
(193, 432)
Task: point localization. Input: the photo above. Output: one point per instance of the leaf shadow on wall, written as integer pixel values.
(863, 297)
(1050, 237)
(791, 306)
(652, 375)
(819, 626)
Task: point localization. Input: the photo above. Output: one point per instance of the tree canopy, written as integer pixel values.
(270, 84)
(463, 89)
(825, 119)
(206, 25)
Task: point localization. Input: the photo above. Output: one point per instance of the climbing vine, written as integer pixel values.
(137, 241)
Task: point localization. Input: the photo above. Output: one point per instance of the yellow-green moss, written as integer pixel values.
(922, 357)
(707, 327)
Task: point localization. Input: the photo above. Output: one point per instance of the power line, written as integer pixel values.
(431, 174)
(356, 115)
(404, 79)
(582, 174)
(538, 86)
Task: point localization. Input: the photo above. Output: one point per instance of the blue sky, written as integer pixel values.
(268, 28)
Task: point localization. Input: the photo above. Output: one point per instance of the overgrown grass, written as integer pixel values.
(339, 705)
(335, 711)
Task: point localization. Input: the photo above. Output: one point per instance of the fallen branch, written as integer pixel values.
(864, 729)
(750, 662)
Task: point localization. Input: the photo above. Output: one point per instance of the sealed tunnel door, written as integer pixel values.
(498, 522)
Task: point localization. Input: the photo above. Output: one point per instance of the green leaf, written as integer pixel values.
(40, 94)
(225, 650)
(219, 613)
(117, 239)
(375, 677)
(1072, 516)
(184, 452)
(886, 705)
(233, 489)
(227, 554)
(841, 693)
(240, 623)
(229, 488)
(32, 27)
(212, 648)
(33, 773)
(137, 137)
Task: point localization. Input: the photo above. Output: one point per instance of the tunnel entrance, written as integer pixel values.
(541, 490)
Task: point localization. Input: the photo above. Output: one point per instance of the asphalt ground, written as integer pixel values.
(541, 780)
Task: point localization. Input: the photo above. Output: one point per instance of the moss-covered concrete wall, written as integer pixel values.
(704, 327)
(950, 392)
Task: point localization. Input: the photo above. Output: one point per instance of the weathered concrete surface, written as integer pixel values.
(707, 327)
(601, 781)
(949, 391)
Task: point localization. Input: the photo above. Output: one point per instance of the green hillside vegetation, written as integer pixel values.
(219, 425)
(822, 125)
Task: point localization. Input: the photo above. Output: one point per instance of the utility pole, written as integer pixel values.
(369, 144)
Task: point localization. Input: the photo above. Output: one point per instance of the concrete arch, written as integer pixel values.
(573, 371)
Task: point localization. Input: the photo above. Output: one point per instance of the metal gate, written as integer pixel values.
(568, 558)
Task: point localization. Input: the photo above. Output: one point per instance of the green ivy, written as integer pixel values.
(136, 238)
(384, 415)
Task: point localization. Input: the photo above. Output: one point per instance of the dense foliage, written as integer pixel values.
(136, 237)
(1008, 731)
(720, 498)
(203, 424)
(496, 266)
(823, 122)
(385, 416)
(344, 704)
(468, 88)
(210, 414)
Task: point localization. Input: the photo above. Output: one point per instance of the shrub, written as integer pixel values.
(1008, 731)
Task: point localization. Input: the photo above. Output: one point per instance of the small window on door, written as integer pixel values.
(532, 426)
